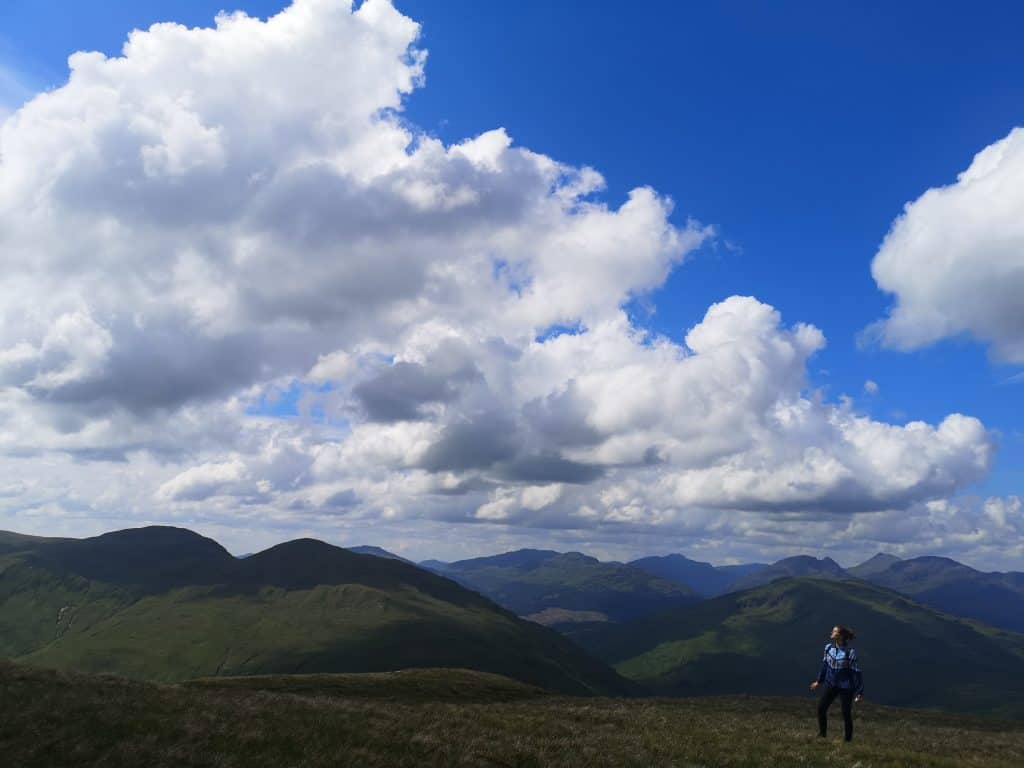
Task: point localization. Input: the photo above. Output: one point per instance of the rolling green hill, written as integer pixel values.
(166, 604)
(453, 718)
(769, 640)
(532, 582)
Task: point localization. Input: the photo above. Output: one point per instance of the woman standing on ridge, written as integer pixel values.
(840, 671)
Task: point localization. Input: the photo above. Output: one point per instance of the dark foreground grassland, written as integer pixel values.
(452, 718)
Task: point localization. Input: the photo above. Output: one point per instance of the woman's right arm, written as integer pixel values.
(821, 671)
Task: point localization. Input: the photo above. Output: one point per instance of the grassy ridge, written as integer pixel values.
(193, 632)
(58, 719)
(167, 605)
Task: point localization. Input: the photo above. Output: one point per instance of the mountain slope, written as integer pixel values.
(946, 585)
(769, 640)
(17, 542)
(437, 566)
(703, 578)
(166, 604)
(531, 581)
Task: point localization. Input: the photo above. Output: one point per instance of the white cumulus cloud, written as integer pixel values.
(954, 259)
(200, 482)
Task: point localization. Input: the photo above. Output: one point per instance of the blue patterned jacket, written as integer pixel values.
(840, 669)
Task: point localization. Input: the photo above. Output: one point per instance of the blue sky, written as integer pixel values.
(798, 131)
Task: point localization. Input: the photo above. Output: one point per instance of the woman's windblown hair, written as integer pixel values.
(846, 633)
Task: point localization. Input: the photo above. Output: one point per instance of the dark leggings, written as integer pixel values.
(846, 699)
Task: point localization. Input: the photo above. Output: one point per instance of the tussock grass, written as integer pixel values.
(61, 719)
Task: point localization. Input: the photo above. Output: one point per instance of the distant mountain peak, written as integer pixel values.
(531, 551)
(303, 544)
(797, 565)
(519, 558)
(679, 557)
(151, 557)
(877, 563)
(673, 558)
(808, 559)
(931, 564)
(808, 564)
(165, 533)
(147, 541)
(577, 557)
(369, 549)
(704, 578)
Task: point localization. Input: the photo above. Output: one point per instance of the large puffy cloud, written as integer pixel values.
(241, 290)
(955, 258)
(605, 427)
(220, 206)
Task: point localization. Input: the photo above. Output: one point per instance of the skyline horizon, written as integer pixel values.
(844, 563)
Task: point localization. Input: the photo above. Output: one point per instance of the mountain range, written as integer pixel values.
(937, 582)
(167, 604)
(946, 585)
(554, 587)
(566, 590)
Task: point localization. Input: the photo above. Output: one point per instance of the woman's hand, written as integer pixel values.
(814, 685)
(858, 698)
